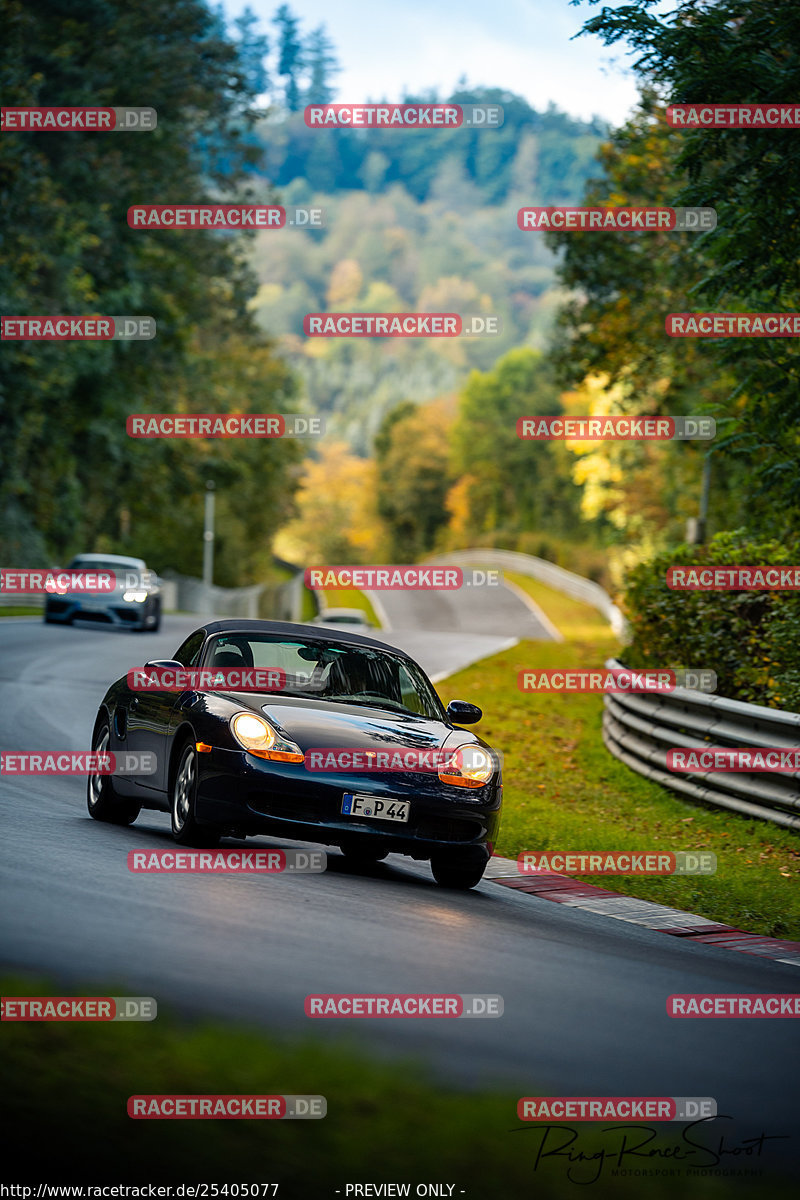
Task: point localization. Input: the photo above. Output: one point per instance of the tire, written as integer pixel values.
(185, 829)
(154, 628)
(362, 852)
(101, 800)
(458, 874)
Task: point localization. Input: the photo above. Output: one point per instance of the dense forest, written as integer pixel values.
(421, 452)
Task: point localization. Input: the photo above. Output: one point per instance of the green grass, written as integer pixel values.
(308, 608)
(564, 791)
(578, 622)
(20, 610)
(64, 1116)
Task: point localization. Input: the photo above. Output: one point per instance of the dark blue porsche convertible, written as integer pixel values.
(347, 744)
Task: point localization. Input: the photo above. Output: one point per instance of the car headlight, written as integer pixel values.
(134, 597)
(468, 766)
(258, 737)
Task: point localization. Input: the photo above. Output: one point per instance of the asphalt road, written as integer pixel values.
(584, 996)
(446, 631)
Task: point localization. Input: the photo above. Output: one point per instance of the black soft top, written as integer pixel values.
(293, 629)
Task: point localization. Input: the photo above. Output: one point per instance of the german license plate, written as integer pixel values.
(355, 805)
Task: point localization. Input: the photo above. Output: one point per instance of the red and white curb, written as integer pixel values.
(563, 889)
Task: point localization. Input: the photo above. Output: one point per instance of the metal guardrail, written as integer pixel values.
(21, 600)
(267, 601)
(546, 572)
(639, 729)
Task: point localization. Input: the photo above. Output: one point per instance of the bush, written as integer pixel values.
(751, 639)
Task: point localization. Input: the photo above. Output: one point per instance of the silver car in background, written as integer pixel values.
(135, 602)
(353, 619)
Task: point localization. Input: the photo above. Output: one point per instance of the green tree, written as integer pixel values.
(66, 461)
(514, 485)
(738, 51)
(413, 477)
(321, 64)
(291, 55)
(612, 330)
(253, 48)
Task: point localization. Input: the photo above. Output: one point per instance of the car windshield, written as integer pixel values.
(91, 564)
(330, 671)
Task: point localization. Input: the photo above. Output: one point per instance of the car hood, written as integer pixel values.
(343, 725)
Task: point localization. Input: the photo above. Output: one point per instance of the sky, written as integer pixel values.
(386, 47)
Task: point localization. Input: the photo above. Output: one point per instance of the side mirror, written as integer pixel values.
(461, 712)
(164, 664)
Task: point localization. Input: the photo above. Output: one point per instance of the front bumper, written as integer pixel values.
(69, 608)
(252, 795)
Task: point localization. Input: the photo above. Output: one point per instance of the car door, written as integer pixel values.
(150, 713)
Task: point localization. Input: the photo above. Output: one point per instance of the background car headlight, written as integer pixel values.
(134, 597)
(258, 737)
(468, 766)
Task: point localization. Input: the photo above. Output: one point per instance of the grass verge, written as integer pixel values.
(564, 791)
(67, 1085)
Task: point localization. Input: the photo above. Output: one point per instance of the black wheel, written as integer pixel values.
(458, 873)
(101, 799)
(363, 852)
(154, 628)
(185, 828)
